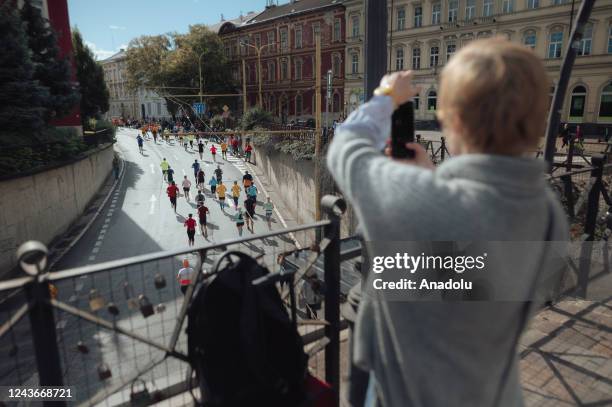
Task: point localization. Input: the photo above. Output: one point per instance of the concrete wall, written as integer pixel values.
(41, 206)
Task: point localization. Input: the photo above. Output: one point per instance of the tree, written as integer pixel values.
(50, 70)
(94, 94)
(21, 98)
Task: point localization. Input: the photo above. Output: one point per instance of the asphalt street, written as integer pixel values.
(137, 220)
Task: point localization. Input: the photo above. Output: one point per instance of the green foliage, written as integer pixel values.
(255, 117)
(217, 121)
(21, 98)
(50, 70)
(57, 145)
(109, 130)
(94, 94)
(172, 60)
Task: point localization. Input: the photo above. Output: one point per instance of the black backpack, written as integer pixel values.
(241, 342)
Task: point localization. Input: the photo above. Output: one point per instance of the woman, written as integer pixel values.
(493, 99)
(239, 218)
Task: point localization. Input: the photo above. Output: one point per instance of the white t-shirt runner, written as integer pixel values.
(185, 275)
(186, 184)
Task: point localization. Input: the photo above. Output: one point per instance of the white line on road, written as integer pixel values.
(104, 227)
(107, 220)
(184, 173)
(152, 206)
(95, 250)
(98, 243)
(92, 258)
(152, 169)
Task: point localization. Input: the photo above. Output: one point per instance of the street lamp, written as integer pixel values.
(258, 50)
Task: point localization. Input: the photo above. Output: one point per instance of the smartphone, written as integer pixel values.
(402, 131)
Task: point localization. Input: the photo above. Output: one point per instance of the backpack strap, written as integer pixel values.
(526, 311)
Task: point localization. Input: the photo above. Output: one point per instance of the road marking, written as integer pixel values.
(152, 206)
(92, 258)
(95, 250)
(107, 220)
(98, 243)
(113, 205)
(152, 169)
(104, 227)
(184, 173)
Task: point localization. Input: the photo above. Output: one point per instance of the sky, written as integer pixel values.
(109, 25)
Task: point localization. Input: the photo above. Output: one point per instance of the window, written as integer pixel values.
(418, 16)
(435, 13)
(577, 102)
(298, 105)
(355, 24)
(284, 40)
(337, 30)
(487, 8)
(555, 43)
(507, 6)
(432, 99)
(270, 37)
(258, 40)
(450, 50)
(271, 71)
(605, 104)
(316, 29)
(416, 103)
(529, 39)
(586, 41)
(298, 69)
(557, 2)
(470, 9)
(243, 46)
(533, 4)
(610, 39)
(336, 65)
(416, 58)
(284, 69)
(298, 37)
(399, 59)
(401, 18)
(354, 63)
(453, 8)
(434, 56)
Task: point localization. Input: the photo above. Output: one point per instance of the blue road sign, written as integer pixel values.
(199, 108)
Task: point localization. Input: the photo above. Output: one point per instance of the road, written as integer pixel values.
(138, 219)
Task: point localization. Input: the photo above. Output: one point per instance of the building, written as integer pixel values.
(127, 104)
(423, 35)
(285, 36)
(57, 14)
(354, 82)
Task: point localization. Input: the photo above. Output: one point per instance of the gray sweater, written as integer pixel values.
(434, 354)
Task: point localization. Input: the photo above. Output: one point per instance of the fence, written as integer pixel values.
(105, 328)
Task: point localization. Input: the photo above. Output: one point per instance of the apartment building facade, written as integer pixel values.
(424, 35)
(285, 36)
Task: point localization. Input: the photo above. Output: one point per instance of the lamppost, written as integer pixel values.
(200, 67)
(258, 50)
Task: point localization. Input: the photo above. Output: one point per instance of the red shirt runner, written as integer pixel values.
(213, 150)
(172, 191)
(190, 223)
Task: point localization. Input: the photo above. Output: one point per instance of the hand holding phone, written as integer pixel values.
(402, 131)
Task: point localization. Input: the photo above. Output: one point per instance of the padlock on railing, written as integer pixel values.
(140, 397)
(146, 308)
(160, 308)
(112, 309)
(104, 371)
(160, 281)
(96, 302)
(131, 299)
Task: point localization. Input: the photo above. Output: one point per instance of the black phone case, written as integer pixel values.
(402, 131)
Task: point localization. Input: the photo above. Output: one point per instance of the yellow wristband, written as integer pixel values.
(383, 91)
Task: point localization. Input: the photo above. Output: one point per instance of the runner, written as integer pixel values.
(236, 193)
(196, 168)
(224, 149)
(201, 147)
(164, 167)
(268, 208)
(247, 180)
(184, 276)
(186, 188)
(201, 179)
(200, 198)
(191, 141)
(213, 151)
(172, 192)
(219, 174)
(185, 141)
(154, 131)
(239, 218)
(221, 189)
(247, 152)
(213, 184)
(170, 174)
(252, 194)
(202, 211)
(235, 146)
(249, 207)
(190, 224)
(140, 141)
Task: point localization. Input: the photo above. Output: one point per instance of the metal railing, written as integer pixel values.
(101, 328)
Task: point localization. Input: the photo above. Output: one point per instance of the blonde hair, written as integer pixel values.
(497, 92)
